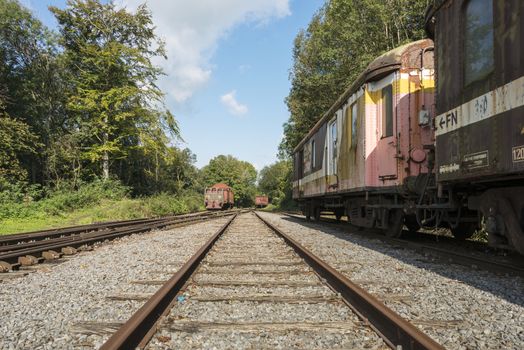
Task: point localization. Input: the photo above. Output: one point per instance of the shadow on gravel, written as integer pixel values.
(506, 287)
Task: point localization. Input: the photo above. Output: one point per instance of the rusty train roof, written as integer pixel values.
(219, 185)
(377, 69)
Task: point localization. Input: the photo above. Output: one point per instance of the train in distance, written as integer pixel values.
(219, 197)
(261, 201)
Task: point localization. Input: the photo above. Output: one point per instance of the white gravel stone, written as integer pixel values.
(249, 253)
(460, 308)
(43, 310)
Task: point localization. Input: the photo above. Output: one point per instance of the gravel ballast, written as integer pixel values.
(253, 291)
(72, 304)
(460, 308)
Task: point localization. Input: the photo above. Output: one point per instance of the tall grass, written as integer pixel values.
(21, 202)
(32, 208)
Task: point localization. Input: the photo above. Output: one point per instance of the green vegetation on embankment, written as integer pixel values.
(30, 209)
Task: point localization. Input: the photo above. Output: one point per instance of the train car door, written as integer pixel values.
(332, 147)
(332, 155)
(387, 143)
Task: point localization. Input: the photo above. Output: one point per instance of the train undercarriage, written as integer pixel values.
(499, 212)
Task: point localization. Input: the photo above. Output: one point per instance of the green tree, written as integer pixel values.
(115, 102)
(239, 175)
(340, 41)
(171, 170)
(16, 141)
(31, 85)
(273, 181)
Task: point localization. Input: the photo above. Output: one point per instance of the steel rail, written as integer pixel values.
(137, 331)
(79, 240)
(515, 267)
(395, 330)
(57, 232)
(103, 230)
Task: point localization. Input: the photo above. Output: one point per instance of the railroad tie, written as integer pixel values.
(5, 267)
(27, 260)
(50, 255)
(69, 251)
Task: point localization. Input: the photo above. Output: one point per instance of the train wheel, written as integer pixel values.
(464, 230)
(307, 213)
(411, 223)
(317, 214)
(395, 223)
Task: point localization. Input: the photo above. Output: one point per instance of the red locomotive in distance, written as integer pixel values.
(261, 201)
(219, 197)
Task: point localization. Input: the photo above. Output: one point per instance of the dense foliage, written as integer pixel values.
(84, 132)
(240, 175)
(340, 41)
(113, 101)
(83, 103)
(275, 182)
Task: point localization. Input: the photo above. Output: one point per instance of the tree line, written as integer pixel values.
(83, 103)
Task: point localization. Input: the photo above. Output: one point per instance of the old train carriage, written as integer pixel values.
(218, 196)
(480, 113)
(369, 155)
(261, 201)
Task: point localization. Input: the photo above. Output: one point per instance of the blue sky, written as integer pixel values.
(227, 72)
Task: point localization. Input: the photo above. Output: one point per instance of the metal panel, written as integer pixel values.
(480, 126)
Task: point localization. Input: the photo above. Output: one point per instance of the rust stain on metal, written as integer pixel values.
(140, 327)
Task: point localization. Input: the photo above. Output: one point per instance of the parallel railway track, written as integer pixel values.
(17, 238)
(512, 266)
(248, 252)
(31, 248)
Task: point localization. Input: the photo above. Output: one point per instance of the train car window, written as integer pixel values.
(387, 111)
(333, 131)
(313, 155)
(347, 119)
(478, 40)
(354, 111)
(300, 164)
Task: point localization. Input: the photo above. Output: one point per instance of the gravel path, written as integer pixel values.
(78, 303)
(458, 307)
(253, 292)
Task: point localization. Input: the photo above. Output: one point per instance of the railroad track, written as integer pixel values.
(17, 238)
(32, 248)
(252, 283)
(512, 265)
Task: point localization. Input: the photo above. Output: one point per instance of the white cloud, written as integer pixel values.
(229, 100)
(192, 30)
(244, 68)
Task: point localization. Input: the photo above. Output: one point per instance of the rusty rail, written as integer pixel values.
(10, 255)
(17, 238)
(137, 331)
(395, 330)
(513, 267)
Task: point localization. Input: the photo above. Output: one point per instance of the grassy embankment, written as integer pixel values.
(94, 202)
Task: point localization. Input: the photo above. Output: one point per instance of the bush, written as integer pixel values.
(67, 199)
(166, 204)
(163, 204)
(20, 201)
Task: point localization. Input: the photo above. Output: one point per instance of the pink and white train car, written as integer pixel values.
(368, 157)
